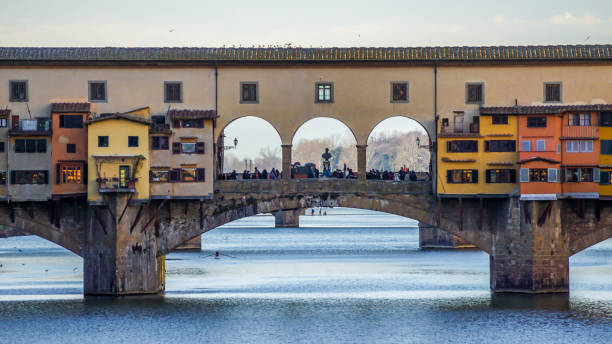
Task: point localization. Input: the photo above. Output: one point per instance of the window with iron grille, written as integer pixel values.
(324, 92)
(173, 92)
(102, 141)
(462, 176)
(248, 92)
(18, 90)
(552, 92)
(70, 148)
(71, 121)
(536, 122)
(500, 146)
(605, 119)
(474, 93)
(97, 91)
(462, 146)
(399, 92)
(29, 177)
(538, 175)
(501, 176)
(159, 142)
(499, 119)
(30, 146)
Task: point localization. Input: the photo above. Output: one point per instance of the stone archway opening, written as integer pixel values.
(397, 144)
(248, 144)
(327, 144)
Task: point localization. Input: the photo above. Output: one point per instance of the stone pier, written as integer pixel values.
(194, 244)
(431, 237)
(288, 218)
(531, 254)
(120, 254)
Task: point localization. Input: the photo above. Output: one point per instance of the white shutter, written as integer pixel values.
(524, 175)
(558, 148)
(540, 145)
(596, 175)
(525, 146)
(553, 175)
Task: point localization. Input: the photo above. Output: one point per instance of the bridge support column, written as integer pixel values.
(286, 161)
(431, 237)
(531, 254)
(361, 161)
(120, 254)
(288, 218)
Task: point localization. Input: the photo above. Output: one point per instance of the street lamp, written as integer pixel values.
(231, 147)
(418, 142)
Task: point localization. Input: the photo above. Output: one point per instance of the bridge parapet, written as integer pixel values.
(339, 186)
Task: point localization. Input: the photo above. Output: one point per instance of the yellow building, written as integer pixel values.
(605, 157)
(118, 154)
(477, 155)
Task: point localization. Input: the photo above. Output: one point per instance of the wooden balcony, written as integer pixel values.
(473, 130)
(580, 132)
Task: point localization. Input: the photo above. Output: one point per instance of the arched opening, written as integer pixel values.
(324, 147)
(249, 144)
(398, 146)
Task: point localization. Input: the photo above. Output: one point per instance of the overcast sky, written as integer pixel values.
(307, 23)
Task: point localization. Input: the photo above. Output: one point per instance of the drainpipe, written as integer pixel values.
(434, 146)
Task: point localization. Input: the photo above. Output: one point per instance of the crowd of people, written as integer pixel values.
(404, 174)
(256, 174)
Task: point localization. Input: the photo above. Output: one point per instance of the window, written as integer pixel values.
(71, 174)
(575, 146)
(580, 175)
(30, 146)
(606, 147)
(188, 147)
(97, 91)
(188, 174)
(462, 176)
(102, 141)
(586, 146)
(248, 92)
(582, 119)
(540, 145)
(399, 92)
(159, 142)
(605, 178)
(552, 92)
(159, 176)
(474, 93)
(29, 177)
(173, 92)
(70, 148)
(460, 146)
(18, 91)
(192, 123)
(3, 178)
(132, 141)
(1, 147)
(3, 122)
(605, 119)
(500, 146)
(525, 146)
(499, 119)
(324, 92)
(538, 175)
(536, 122)
(71, 121)
(501, 176)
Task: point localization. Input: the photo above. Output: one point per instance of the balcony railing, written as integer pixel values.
(116, 185)
(473, 129)
(160, 128)
(34, 127)
(580, 132)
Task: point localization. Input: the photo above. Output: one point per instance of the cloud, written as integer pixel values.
(569, 18)
(501, 20)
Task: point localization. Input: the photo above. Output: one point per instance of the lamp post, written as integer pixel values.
(231, 147)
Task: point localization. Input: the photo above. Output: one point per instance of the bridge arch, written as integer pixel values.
(407, 139)
(310, 139)
(258, 141)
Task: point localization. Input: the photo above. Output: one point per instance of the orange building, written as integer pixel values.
(580, 152)
(69, 149)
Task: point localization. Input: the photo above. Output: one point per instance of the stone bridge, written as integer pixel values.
(124, 243)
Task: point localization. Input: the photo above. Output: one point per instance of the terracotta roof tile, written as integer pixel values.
(297, 54)
(70, 107)
(542, 109)
(192, 114)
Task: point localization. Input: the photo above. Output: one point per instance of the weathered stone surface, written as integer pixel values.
(431, 237)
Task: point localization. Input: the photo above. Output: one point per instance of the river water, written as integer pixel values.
(348, 277)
